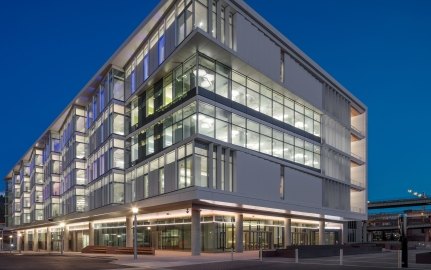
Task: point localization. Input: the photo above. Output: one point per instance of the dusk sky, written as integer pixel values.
(379, 50)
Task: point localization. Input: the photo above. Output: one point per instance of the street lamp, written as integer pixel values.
(135, 211)
(62, 224)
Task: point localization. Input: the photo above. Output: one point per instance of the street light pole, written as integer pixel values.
(135, 211)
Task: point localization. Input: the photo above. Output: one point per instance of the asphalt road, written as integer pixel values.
(54, 262)
(256, 265)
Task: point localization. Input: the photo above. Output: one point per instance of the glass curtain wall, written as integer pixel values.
(110, 234)
(222, 80)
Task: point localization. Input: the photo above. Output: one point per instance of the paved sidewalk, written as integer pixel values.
(168, 259)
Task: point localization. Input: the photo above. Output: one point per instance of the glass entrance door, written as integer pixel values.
(257, 239)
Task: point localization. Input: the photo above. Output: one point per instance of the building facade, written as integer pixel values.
(219, 129)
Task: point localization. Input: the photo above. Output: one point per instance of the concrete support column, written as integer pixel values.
(73, 246)
(91, 234)
(287, 232)
(129, 231)
(35, 240)
(427, 235)
(321, 232)
(196, 232)
(48, 239)
(239, 224)
(66, 239)
(344, 233)
(25, 235)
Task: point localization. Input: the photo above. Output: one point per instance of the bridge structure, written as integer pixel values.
(398, 203)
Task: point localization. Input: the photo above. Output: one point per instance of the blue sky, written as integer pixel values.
(379, 50)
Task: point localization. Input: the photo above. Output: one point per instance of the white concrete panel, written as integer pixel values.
(257, 178)
(256, 49)
(302, 83)
(302, 188)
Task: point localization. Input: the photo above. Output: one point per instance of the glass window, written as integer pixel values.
(277, 148)
(288, 152)
(150, 102)
(134, 113)
(167, 90)
(201, 18)
(167, 136)
(222, 86)
(146, 61)
(207, 109)
(189, 19)
(238, 120)
(181, 174)
(146, 186)
(80, 150)
(277, 110)
(180, 28)
(206, 78)
(80, 124)
(299, 120)
(265, 145)
(161, 44)
(251, 125)
(238, 136)
(206, 125)
(222, 130)
(299, 155)
(202, 171)
(252, 140)
(252, 100)
(118, 158)
(308, 125)
(316, 130)
(149, 142)
(118, 124)
(161, 181)
(238, 93)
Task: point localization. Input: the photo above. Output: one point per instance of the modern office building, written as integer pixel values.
(218, 128)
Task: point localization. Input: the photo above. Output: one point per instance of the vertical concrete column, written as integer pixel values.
(48, 239)
(35, 240)
(211, 176)
(427, 235)
(218, 167)
(344, 233)
(73, 242)
(66, 239)
(227, 174)
(91, 234)
(321, 232)
(196, 232)
(25, 235)
(287, 232)
(239, 229)
(129, 231)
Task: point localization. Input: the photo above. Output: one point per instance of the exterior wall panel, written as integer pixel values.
(302, 83)
(256, 177)
(257, 49)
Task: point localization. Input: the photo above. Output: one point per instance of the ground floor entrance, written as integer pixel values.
(211, 232)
